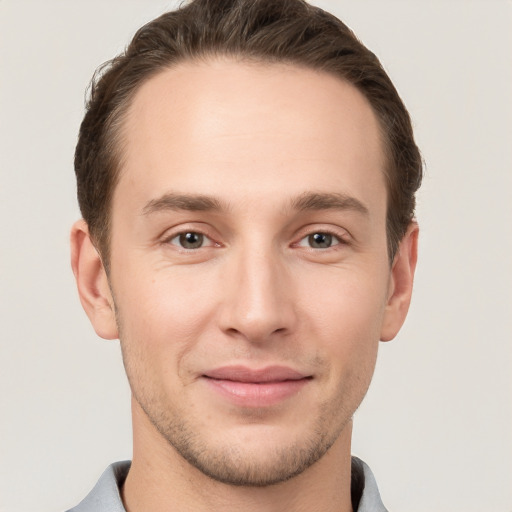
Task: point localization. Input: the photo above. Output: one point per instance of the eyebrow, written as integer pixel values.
(192, 203)
(304, 202)
(328, 201)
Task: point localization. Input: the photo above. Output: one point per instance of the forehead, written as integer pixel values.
(249, 130)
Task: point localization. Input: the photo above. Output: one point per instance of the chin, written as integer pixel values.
(269, 465)
(250, 455)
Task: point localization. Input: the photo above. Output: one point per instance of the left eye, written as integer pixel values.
(189, 240)
(319, 241)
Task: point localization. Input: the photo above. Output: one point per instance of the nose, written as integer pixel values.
(258, 296)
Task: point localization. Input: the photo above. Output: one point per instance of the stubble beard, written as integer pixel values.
(229, 463)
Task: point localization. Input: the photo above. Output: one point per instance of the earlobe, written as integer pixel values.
(401, 283)
(92, 283)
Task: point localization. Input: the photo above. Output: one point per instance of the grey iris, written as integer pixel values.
(320, 240)
(191, 240)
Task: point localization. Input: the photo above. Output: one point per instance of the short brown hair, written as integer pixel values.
(289, 31)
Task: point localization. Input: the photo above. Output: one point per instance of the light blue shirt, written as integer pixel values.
(106, 496)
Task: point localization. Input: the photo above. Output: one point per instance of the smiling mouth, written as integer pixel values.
(256, 388)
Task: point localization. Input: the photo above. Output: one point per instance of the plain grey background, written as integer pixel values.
(436, 426)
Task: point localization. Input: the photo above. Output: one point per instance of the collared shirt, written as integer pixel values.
(106, 495)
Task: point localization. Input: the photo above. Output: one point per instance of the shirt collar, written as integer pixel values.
(106, 496)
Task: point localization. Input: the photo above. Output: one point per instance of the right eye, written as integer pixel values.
(190, 240)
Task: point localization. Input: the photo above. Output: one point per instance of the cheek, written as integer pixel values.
(162, 314)
(347, 311)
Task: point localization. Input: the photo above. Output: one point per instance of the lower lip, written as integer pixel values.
(249, 394)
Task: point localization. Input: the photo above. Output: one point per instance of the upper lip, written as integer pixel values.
(246, 374)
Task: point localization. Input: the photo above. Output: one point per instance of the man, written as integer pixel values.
(246, 173)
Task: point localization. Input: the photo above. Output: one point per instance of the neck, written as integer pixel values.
(160, 480)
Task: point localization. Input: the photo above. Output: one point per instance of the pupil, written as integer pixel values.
(191, 240)
(320, 240)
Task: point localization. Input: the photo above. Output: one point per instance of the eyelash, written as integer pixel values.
(329, 234)
(184, 233)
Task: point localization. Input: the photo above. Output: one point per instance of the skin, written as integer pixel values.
(276, 153)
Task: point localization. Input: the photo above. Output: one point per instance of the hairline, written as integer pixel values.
(117, 123)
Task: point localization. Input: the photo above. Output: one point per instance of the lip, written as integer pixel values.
(248, 387)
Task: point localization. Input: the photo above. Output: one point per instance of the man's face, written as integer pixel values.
(249, 267)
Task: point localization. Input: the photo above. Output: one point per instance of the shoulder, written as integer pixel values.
(364, 490)
(105, 496)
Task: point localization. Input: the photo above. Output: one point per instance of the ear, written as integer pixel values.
(400, 284)
(92, 283)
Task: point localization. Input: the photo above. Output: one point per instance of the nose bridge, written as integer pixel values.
(259, 302)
